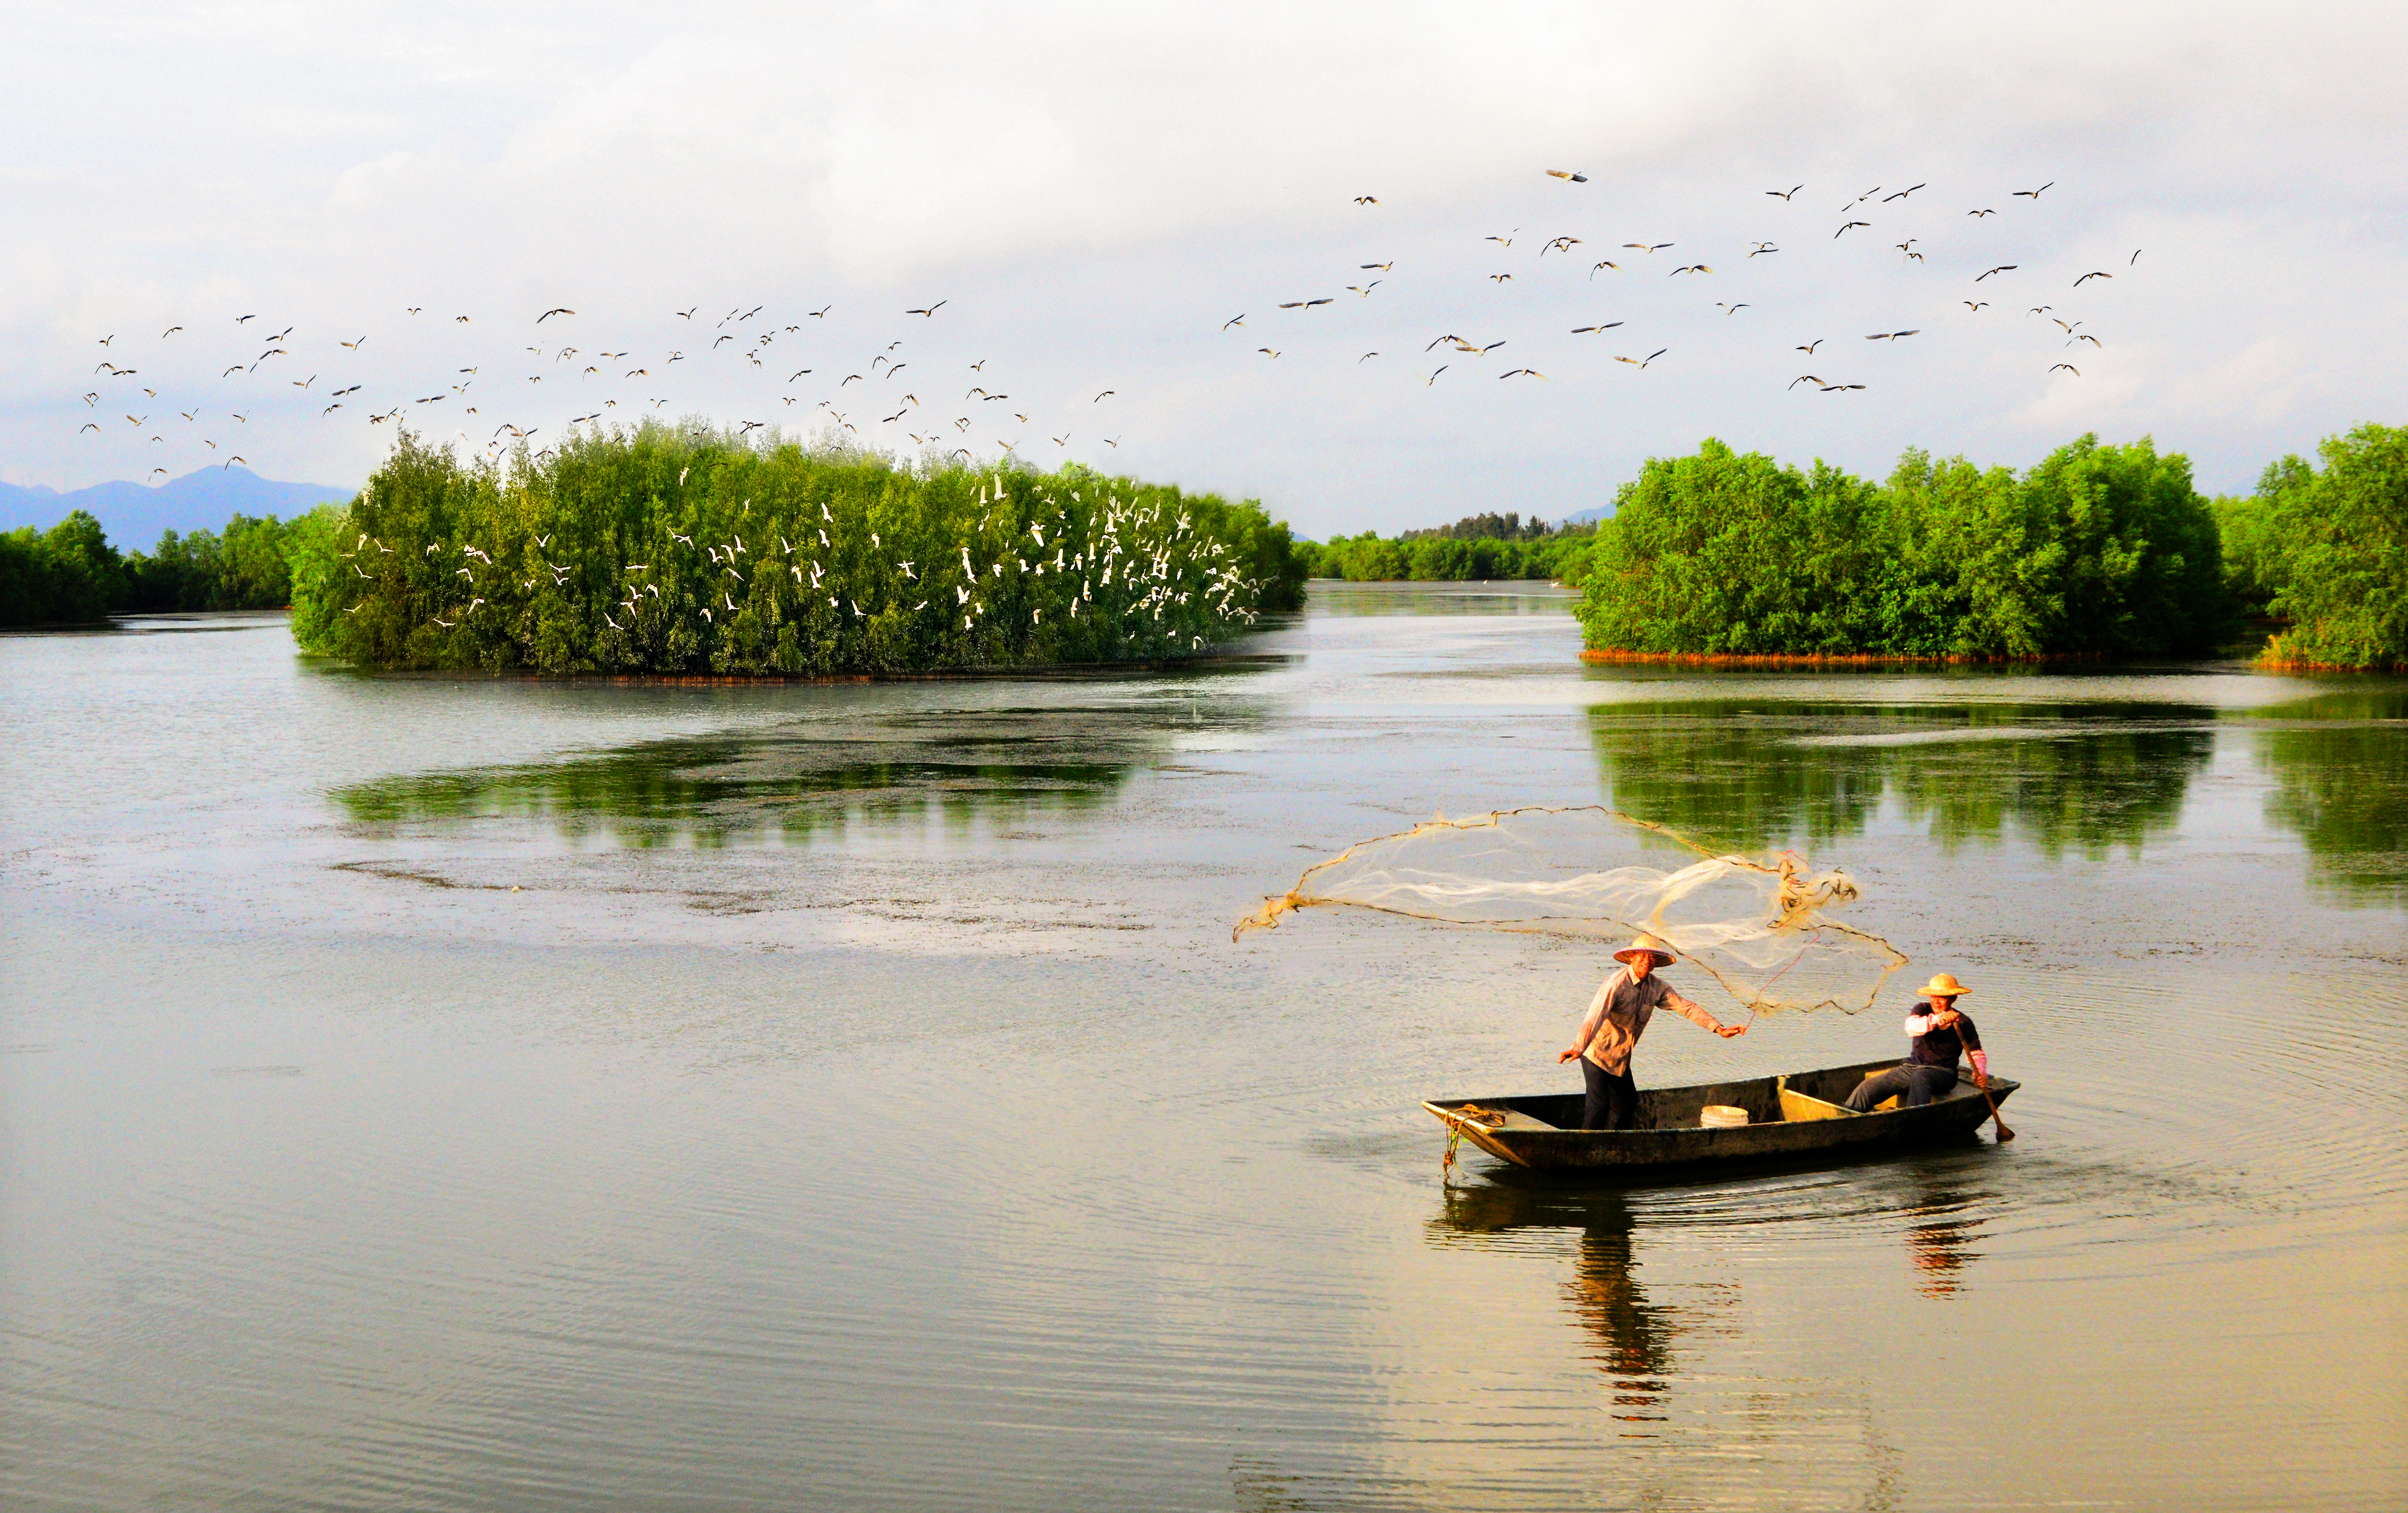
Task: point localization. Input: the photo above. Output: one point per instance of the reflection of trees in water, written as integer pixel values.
(2339, 769)
(798, 779)
(1759, 773)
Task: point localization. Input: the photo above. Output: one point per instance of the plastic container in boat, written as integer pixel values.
(1722, 1117)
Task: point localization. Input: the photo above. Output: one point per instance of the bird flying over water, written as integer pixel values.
(1784, 193)
(2033, 194)
(2087, 276)
(1568, 174)
(2003, 267)
(548, 314)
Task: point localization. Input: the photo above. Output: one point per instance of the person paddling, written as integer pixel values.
(1940, 1034)
(1610, 1032)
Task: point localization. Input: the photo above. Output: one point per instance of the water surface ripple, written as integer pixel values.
(451, 1093)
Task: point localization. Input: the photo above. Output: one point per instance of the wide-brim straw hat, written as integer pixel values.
(1646, 946)
(1945, 985)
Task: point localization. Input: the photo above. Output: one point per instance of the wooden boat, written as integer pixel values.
(1801, 1114)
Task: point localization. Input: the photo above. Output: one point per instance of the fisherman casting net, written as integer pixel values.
(1761, 927)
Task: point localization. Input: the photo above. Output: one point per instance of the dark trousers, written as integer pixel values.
(1612, 1101)
(1921, 1084)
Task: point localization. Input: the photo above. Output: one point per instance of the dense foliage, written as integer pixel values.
(2327, 551)
(2098, 551)
(70, 572)
(659, 551)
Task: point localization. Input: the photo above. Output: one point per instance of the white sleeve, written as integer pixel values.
(1918, 1025)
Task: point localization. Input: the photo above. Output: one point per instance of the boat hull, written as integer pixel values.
(1798, 1114)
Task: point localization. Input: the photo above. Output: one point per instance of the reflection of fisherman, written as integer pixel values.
(1616, 1018)
(1633, 1336)
(1940, 1034)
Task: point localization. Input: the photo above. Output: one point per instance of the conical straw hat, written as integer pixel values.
(1646, 945)
(1945, 985)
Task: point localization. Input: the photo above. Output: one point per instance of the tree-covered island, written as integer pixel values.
(2096, 551)
(662, 550)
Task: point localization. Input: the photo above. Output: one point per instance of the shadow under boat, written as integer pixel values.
(1792, 1116)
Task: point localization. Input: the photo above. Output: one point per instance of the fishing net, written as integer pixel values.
(1760, 926)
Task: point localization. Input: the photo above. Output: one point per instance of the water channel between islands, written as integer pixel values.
(441, 1092)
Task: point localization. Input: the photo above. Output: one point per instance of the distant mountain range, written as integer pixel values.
(134, 516)
(1585, 516)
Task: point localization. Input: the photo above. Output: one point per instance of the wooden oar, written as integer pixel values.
(2005, 1133)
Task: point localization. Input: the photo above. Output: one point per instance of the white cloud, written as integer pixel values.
(1095, 189)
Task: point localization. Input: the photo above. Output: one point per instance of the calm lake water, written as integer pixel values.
(434, 1093)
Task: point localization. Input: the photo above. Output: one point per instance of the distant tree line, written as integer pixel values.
(70, 572)
(1491, 526)
(1475, 548)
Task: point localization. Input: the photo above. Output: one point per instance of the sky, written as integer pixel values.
(1094, 191)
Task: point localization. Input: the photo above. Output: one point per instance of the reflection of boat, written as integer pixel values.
(1800, 1114)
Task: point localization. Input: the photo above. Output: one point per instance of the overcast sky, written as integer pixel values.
(1093, 191)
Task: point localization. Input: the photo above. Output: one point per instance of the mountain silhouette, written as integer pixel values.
(134, 516)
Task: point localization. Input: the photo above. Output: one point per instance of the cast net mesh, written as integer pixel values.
(1760, 926)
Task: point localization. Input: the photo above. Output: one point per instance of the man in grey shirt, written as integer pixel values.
(1610, 1032)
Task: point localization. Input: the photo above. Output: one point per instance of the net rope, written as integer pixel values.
(1761, 927)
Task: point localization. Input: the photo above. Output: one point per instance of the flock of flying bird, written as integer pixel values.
(1632, 260)
(498, 402)
(605, 385)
